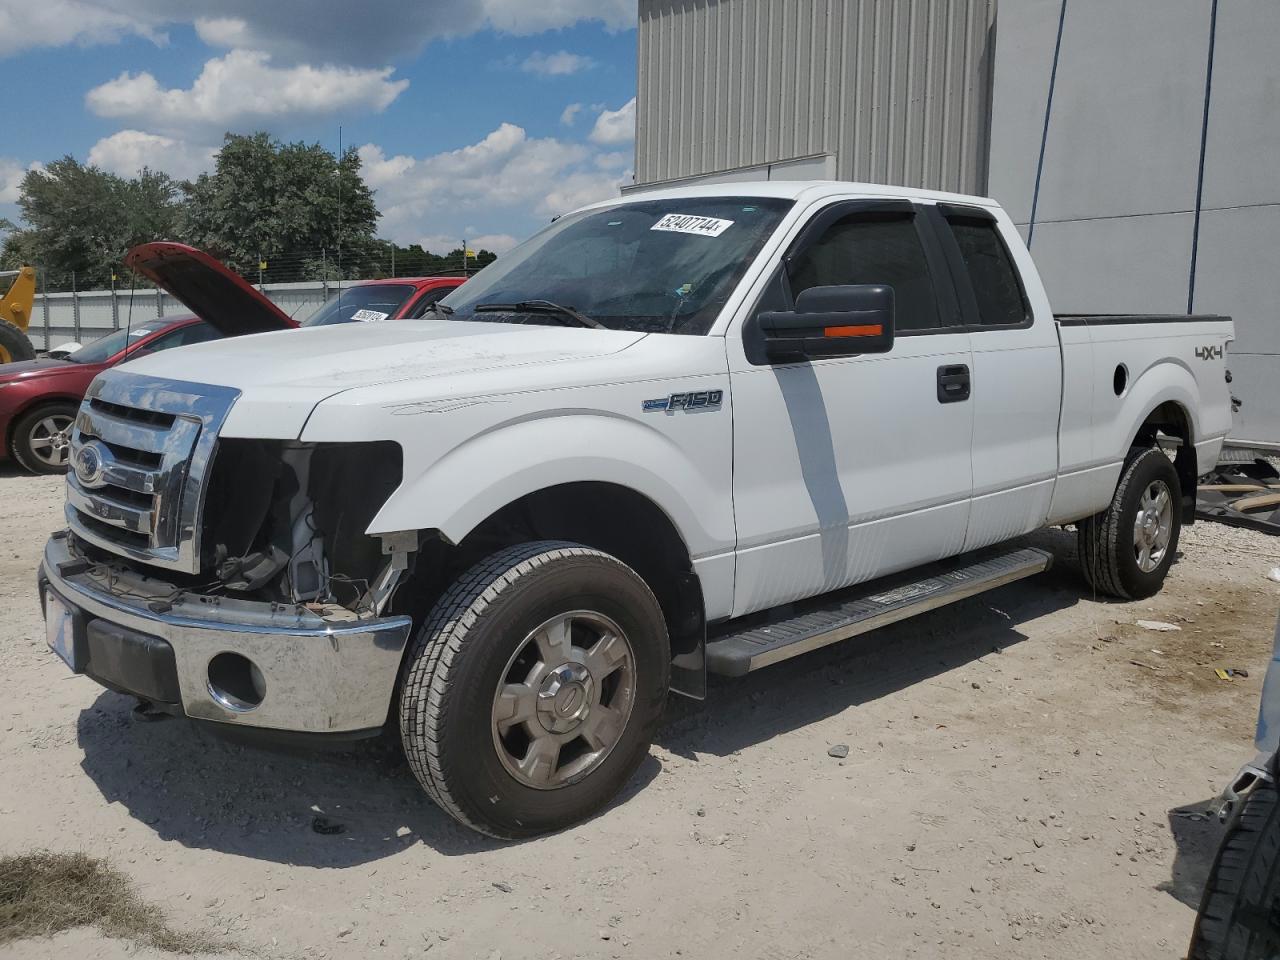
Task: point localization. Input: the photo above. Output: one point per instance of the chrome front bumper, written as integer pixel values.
(318, 676)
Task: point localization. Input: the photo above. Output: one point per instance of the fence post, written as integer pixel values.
(115, 304)
(44, 306)
(75, 307)
(159, 303)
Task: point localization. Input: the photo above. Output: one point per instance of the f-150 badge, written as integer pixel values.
(698, 400)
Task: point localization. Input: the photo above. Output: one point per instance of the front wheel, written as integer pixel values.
(533, 690)
(1126, 550)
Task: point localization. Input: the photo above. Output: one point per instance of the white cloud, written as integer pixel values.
(128, 151)
(240, 88)
(493, 242)
(523, 17)
(562, 63)
(613, 161)
(577, 190)
(319, 31)
(25, 25)
(506, 178)
(570, 114)
(443, 243)
(616, 126)
(223, 31)
(11, 174)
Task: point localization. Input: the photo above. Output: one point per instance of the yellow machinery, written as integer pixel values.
(15, 314)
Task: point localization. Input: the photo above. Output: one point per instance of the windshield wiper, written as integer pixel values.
(441, 310)
(540, 306)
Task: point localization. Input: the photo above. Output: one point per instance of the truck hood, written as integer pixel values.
(282, 376)
(208, 288)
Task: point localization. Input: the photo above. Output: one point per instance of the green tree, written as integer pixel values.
(265, 197)
(80, 218)
(413, 261)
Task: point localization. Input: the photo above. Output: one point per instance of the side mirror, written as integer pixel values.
(836, 321)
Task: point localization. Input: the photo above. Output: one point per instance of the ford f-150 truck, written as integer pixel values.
(697, 430)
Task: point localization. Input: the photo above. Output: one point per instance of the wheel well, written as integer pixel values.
(1171, 421)
(605, 516)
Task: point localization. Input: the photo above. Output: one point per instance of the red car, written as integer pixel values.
(39, 398)
(401, 298)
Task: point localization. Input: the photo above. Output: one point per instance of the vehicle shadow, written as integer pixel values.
(197, 789)
(817, 685)
(1197, 834)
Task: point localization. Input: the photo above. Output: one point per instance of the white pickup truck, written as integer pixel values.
(696, 430)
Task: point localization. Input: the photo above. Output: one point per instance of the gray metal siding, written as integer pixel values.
(1116, 226)
(896, 90)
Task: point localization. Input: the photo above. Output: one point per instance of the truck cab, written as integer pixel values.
(698, 430)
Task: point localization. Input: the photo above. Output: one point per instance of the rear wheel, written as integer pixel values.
(14, 344)
(42, 437)
(1239, 917)
(1126, 550)
(533, 690)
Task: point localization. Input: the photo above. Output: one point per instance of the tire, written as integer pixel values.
(39, 437)
(479, 751)
(1239, 917)
(14, 345)
(1111, 545)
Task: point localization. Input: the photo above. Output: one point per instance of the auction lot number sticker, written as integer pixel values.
(689, 223)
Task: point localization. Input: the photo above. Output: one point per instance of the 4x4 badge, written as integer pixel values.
(698, 400)
(1209, 353)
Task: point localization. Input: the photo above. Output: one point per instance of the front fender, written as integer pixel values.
(684, 474)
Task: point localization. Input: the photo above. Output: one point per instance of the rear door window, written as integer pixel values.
(996, 285)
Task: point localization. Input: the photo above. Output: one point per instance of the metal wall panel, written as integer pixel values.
(1122, 178)
(898, 91)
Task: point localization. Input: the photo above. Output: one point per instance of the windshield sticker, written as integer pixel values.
(369, 316)
(688, 223)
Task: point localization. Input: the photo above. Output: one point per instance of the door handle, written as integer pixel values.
(953, 383)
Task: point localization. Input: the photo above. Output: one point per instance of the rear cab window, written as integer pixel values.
(997, 286)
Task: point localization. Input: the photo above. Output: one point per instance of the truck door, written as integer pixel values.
(849, 468)
(1017, 373)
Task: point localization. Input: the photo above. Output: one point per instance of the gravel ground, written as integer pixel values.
(1024, 777)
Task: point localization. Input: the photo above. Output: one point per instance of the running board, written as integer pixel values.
(847, 613)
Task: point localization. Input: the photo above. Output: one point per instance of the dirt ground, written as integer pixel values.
(1024, 776)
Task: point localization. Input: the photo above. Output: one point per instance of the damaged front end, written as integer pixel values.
(227, 579)
(285, 522)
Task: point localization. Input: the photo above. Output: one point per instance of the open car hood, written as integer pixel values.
(208, 288)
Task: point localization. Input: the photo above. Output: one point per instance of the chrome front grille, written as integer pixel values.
(140, 456)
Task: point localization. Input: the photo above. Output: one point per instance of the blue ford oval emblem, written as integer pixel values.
(89, 465)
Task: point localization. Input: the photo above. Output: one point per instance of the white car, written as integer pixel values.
(699, 429)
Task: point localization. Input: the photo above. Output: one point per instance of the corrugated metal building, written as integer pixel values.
(846, 89)
(1143, 134)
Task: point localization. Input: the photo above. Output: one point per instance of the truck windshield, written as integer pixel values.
(652, 266)
(370, 301)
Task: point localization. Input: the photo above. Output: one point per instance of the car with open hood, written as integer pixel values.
(39, 398)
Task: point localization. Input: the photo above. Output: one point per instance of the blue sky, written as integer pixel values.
(481, 118)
